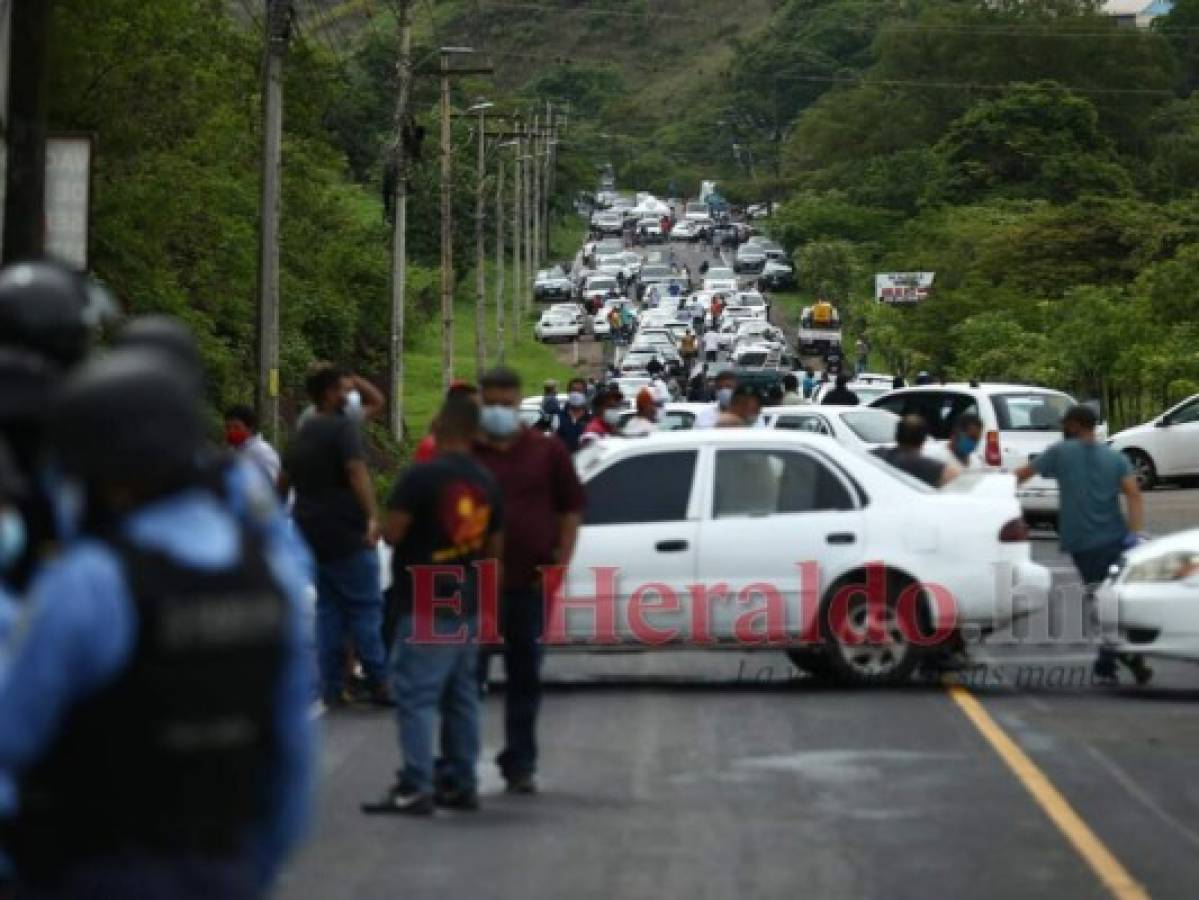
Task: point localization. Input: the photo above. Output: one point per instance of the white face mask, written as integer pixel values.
(353, 408)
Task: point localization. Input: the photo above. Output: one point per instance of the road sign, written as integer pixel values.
(68, 198)
(902, 287)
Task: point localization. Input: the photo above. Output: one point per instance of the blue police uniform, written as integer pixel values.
(79, 634)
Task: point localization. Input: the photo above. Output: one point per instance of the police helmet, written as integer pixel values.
(51, 310)
(167, 335)
(129, 416)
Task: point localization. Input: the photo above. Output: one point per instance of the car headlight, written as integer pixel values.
(1172, 566)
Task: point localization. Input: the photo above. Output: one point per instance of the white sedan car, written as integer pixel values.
(757, 538)
(861, 428)
(1150, 604)
(557, 325)
(1164, 447)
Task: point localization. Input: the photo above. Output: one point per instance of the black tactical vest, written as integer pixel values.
(171, 758)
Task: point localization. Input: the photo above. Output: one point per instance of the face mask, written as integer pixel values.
(577, 399)
(965, 445)
(724, 397)
(612, 417)
(12, 538)
(236, 435)
(353, 407)
(499, 421)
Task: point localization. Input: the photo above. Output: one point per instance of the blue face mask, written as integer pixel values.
(964, 445)
(12, 538)
(499, 421)
(724, 397)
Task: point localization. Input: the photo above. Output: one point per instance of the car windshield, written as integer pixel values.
(601, 284)
(872, 426)
(1030, 411)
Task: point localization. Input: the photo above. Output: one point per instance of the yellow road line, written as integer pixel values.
(1114, 876)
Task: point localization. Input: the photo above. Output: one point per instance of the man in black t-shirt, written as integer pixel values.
(446, 512)
(907, 455)
(335, 512)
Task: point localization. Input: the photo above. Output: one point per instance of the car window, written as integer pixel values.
(939, 409)
(812, 424)
(1030, 412)
(1187, 415)
(652, 487)
(874, 426)
(766, 482)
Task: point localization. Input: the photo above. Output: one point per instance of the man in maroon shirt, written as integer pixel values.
(544, 504)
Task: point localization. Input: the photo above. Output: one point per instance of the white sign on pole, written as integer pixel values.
(68, 199)
(902, 287)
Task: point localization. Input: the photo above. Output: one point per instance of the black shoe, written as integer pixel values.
(461, 799)
(400, 801)
(522, 784)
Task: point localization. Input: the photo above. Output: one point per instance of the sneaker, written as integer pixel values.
(400, 801)
(522, 784)
(461, 799)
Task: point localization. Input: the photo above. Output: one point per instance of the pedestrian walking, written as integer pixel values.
(543, 504)
(725, 384)
(689, 350)
(645, 420)
(427, 448)
(574, 420)
(911, 434)
(160, 746)
(862, 352)
(711, 345)
(743, 410)
(447, 512)
(841, 395)
(809, 383)
(241, 433)
(550, 408)
(335, 512)
(1091, 477)
(791, 394)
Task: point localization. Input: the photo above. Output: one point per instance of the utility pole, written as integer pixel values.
(25, 131)
(517, 231)
(399, 238)
(278, 33)
(447, 244)
(499, 256)
(536, 166)
(526, 177)
(550, 141)
(480, 260)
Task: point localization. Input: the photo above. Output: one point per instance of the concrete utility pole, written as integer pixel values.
(278, 33)
(447, 243)
(399, 239)
(526, 177)
(25, 131)
(499, 257)
(480, 260)
(536, 169)
(550, 142)
(517, 232)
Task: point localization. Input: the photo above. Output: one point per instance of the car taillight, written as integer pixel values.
(1014, 532)
(993, 455)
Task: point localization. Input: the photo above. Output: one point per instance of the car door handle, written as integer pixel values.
(841, 537)
(671, 546)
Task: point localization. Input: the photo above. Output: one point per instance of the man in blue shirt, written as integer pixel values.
(1091, 526)
(154, 730)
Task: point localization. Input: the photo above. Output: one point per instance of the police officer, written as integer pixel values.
(154, 727)
(48, 315)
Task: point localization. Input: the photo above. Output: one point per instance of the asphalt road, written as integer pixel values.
(719, 775)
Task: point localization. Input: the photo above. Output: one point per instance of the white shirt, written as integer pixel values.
(711, 340)
(639, 427)
(262, 455)
(706, 417)
(939, 450)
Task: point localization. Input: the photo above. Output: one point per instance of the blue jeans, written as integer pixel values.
(1093, 565)
(427, 678)
(522, 619)
(349, 604)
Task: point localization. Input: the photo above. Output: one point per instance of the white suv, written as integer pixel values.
(1019, 422)
(1164, 447)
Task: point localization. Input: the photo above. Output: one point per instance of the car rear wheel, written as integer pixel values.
(1144, 468)
(866, 642)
